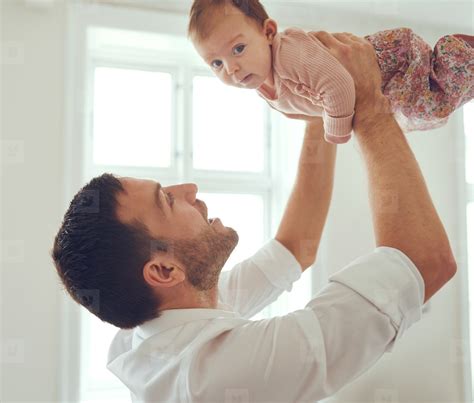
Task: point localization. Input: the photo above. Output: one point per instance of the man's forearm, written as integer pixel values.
(402, 210)
(303, 221)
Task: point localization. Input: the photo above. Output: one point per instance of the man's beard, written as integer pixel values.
(205, 255)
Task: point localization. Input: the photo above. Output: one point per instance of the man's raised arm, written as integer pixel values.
(403, 214)
(303, 221)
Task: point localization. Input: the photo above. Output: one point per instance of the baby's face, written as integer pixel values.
(237, 50)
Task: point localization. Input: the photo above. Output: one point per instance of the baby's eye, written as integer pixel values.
(238, 49)
(216, 64)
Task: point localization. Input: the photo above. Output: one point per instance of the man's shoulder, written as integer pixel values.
(121, 343)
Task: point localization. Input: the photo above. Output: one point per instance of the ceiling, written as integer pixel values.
(450, 14)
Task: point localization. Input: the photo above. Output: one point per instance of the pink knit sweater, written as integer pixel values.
(308, 80)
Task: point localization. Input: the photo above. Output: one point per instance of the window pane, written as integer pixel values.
(242, 212)
(228, 127)
(132, 117)
(469, 132)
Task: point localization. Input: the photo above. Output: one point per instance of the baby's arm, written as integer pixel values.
(312, 72)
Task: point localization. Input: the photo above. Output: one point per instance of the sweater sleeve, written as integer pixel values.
(304, 61)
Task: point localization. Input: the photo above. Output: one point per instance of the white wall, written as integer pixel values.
(32, 120)
(426, 365)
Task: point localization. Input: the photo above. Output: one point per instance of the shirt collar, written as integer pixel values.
(170, 318)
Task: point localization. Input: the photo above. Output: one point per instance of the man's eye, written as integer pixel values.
(170, 197)
(238, 49)
(216, 64)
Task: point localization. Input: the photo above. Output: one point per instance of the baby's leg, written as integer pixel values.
(424, 86)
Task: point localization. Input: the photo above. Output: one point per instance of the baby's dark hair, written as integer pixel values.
(202, 10)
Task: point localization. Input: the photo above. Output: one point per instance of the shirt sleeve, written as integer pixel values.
(303, 60)
(259, 280)
(312, 353)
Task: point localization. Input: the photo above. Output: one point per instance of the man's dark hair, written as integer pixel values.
(100, 260)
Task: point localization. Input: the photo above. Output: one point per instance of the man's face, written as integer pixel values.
(202, 246)
(237, 50)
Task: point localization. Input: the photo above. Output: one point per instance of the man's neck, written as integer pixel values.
(195, 299)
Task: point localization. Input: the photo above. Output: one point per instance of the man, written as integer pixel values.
(153, 267)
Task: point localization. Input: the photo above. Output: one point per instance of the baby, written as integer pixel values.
(297, 75)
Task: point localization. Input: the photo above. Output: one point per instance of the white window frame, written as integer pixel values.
(78, 164)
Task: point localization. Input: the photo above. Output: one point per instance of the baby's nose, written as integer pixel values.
(232, 68)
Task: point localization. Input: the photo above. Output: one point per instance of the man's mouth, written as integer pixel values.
(204, 214)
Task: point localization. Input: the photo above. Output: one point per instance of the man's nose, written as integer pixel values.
(189, 191)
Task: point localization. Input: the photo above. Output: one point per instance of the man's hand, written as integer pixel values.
(403, 213)
(358, 57)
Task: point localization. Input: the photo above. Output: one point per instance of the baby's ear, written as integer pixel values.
(270, 28)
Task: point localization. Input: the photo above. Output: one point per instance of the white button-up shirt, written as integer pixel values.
(221, 356)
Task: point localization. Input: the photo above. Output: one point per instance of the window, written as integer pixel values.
(153, 110)
(132, 117)
(231, 121)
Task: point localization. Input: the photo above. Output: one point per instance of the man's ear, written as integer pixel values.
(270, 29)
(163, 272)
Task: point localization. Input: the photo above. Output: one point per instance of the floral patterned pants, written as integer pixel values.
(424, 86)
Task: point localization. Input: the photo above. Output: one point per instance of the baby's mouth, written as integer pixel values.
(246, 79)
